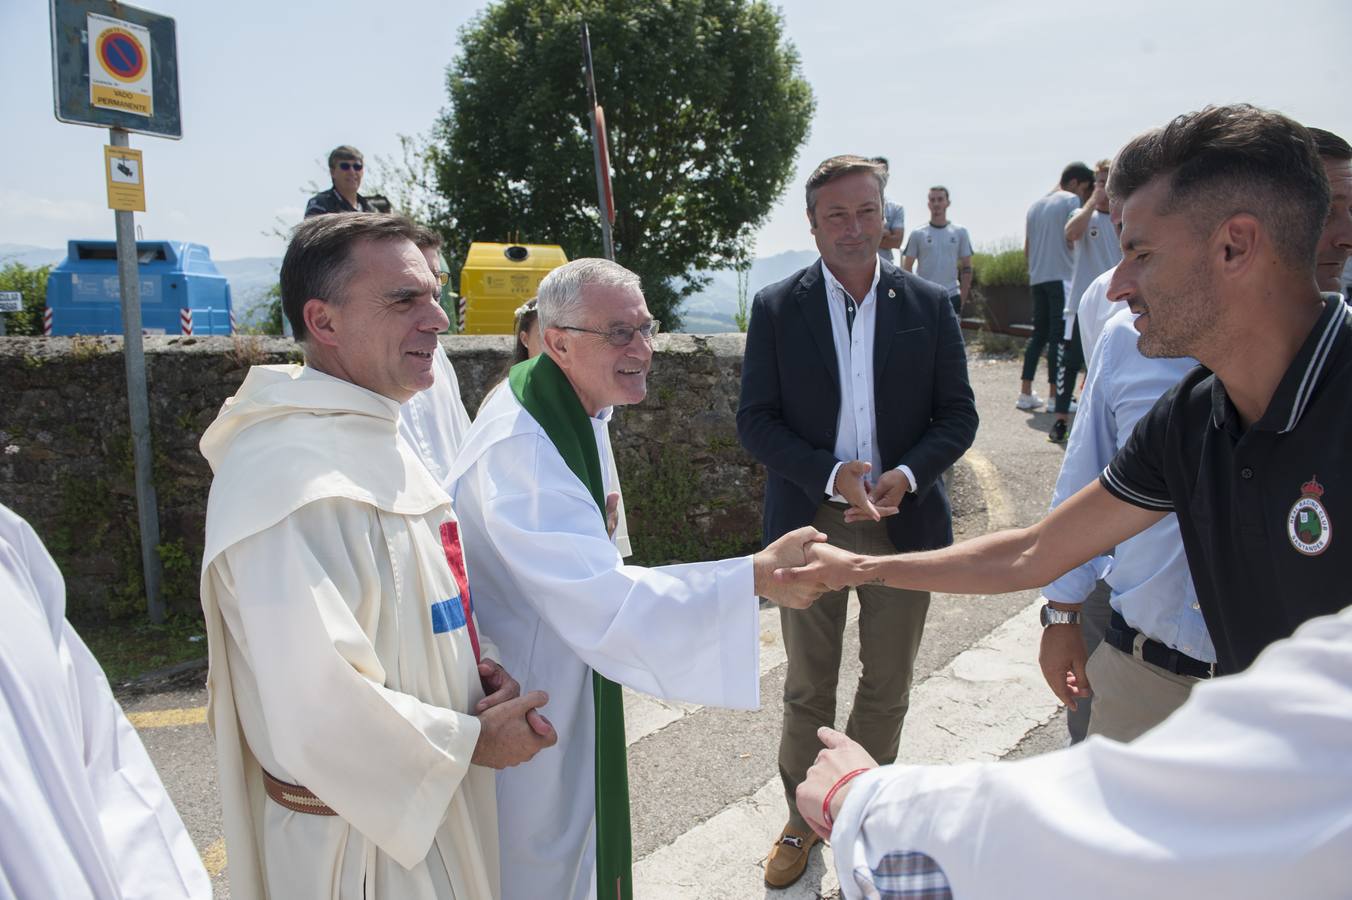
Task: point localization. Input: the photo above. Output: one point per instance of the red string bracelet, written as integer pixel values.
(826, 803)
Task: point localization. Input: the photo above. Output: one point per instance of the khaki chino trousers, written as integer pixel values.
(891, 622)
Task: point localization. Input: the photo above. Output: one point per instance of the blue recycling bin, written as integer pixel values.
(180, 286)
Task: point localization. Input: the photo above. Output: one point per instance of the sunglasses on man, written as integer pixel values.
(354, 166)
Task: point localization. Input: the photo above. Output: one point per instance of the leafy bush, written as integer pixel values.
(32, 283)
(1001, 265)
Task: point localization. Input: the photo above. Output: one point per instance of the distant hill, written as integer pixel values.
(710, 311)
(250, 279)
(27, 255)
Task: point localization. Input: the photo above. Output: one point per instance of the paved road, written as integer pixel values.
(706, 798)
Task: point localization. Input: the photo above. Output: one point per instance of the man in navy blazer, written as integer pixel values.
(855, 397)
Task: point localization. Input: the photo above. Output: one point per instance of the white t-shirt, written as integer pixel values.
(937, 250)
(1048, 253)
(1095, 253)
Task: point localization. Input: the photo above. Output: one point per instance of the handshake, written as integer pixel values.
(800, 566)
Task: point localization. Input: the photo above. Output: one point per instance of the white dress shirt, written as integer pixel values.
(855, 437)
(1151, 584)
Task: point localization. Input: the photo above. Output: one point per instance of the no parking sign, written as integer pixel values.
(115, 66)
(119, 66)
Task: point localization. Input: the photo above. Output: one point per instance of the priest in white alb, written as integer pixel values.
(356, 709)
(568, 614)
(84, 812)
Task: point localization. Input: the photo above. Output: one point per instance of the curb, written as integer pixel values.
(158, 680)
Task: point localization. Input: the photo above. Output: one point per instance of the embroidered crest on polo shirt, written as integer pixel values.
(1308, 525)
(1093, 232)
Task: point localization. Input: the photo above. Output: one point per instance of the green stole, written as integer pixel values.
(542, 388)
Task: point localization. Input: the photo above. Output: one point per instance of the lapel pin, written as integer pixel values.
(892, 292)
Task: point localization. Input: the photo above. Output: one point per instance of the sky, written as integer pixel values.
(988, 97)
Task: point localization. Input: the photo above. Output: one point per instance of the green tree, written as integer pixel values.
(266, 317)
(705, 110)
(32, 283)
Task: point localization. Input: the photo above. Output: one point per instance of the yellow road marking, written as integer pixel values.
(165, 718)
(214, 858)
(992, 486)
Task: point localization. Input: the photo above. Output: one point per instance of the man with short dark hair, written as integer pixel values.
(356, 709)
(1049, 268)
(345, 170)
(1095, 250)
(943, 251)
(855, 398)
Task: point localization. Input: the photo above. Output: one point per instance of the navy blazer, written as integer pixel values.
(926, 415)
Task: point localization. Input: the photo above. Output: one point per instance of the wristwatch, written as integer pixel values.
(1052, 616)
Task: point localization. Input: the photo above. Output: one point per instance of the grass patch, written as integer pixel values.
(127, 650)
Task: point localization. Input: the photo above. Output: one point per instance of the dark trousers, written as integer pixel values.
(1072, 360)
(1049, 303)
(891, 622)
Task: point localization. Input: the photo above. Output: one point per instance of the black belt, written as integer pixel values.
(1122, 636)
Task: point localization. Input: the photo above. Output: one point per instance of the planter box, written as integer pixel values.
(1009, 308)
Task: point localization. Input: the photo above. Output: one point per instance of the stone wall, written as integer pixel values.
(66, 466)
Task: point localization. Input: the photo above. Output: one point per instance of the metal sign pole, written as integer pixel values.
(129, 284)
(607, 242)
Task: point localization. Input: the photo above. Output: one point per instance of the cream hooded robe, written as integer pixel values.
(342, 652)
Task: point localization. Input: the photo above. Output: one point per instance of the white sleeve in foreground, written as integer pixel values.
(154, 856)
(1244, 792)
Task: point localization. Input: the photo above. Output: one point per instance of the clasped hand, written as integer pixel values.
(824, 568)
(511, 728)
(870, 500)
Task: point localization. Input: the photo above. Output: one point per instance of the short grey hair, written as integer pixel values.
(560, 293)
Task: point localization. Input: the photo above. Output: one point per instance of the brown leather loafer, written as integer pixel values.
(788, 858)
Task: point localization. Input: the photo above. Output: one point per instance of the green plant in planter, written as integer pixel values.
(1001, 265)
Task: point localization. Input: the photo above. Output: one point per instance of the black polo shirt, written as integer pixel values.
(1266, 514)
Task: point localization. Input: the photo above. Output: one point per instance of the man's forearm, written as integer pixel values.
(1079, 223)
(1087, 525)
(992, 564)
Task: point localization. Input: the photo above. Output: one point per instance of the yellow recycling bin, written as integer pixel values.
(497, 278)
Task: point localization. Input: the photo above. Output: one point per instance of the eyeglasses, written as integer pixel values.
(443, 278)
(355, 166)
(621, 335)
